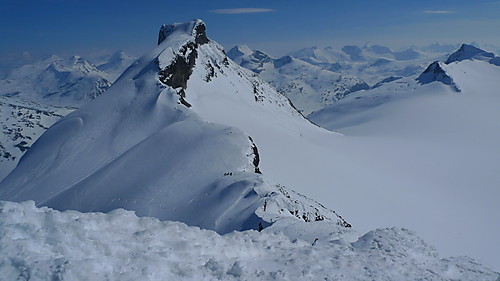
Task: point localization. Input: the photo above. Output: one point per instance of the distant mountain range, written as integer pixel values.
(308, 86)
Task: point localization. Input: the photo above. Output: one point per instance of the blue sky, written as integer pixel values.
(276, 26)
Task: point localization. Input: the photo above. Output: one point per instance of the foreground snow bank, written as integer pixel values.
(44, 244)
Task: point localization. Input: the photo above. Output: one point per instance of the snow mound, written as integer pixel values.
(43, 244)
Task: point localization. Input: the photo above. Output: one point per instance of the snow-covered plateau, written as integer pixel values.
(186, 134)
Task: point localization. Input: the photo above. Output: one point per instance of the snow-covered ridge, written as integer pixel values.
(152, 144)
(43, 244)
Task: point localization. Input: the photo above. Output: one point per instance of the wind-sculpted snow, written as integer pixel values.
(43, 244)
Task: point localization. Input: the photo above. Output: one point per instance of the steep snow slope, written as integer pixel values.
(141, 146)
(426, 156)
(42, 244)
(56, 81)
(309, 87)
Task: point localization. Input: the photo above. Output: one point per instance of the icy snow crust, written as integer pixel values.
(43, 244)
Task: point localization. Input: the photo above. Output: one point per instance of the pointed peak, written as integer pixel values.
(467, 52)
(435, 73)
(195, 28)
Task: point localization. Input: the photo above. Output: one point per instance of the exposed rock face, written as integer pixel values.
(178, 72)
(467, 52)
(435, 72)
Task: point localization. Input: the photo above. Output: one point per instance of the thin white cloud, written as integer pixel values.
(438, 12)
(242, 11)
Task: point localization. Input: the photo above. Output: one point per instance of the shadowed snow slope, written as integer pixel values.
(43, 244)
(142, 146)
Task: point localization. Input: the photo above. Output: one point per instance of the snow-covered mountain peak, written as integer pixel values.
(467, 52)
(435, 72)
(195, 28)
(183, 129)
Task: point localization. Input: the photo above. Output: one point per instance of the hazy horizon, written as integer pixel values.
(277, 27)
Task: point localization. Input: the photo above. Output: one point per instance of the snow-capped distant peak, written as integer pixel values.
(467, 52)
